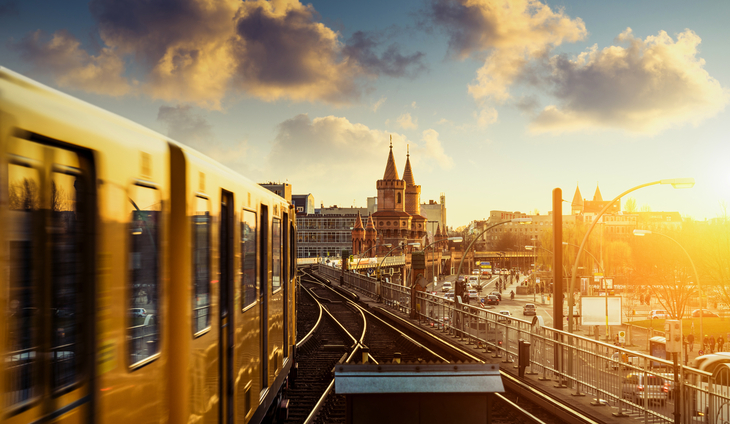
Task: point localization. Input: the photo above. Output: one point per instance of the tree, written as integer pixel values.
(713, 245)
(661, 265)
(630, 205)
(505, 241)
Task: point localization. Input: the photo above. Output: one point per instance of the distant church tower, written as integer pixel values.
(397, 219)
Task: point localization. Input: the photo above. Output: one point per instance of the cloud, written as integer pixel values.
(202, 52)
(183, 124)
(391, 62)
(645, 86)
(487, 116)
(432, 148)
(376, 105)
(511, 32)
(355, 155)
(186, 126)
(405, 121)
(61, 56)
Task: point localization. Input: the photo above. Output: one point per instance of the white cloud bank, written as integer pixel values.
(645, 86)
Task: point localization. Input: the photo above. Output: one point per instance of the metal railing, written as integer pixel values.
(632, 383)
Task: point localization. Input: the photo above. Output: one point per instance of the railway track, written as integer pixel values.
(383, 339)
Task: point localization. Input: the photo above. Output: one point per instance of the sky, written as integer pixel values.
(497, 102)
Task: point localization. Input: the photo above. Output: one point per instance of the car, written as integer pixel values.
(446, 286)
(638, 386)
(705, 313)
(498, 294)
(492, 300)
(449, 296)
(473, 294)
(529, 309)
(625, 359)
(658, 314)
(475, 272)
(137, 312)
(504, 316)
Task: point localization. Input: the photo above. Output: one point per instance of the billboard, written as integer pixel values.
(593, 310)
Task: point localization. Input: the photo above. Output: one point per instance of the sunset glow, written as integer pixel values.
(500, 101)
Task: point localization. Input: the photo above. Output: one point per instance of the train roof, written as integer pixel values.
(24, 83)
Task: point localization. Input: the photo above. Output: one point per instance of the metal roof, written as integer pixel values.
(417, 378)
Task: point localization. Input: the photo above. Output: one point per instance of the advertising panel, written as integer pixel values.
(593, 310)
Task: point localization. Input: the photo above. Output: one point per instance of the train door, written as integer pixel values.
(263, 296)
(225, 284)
(49, 338)
(285, 279)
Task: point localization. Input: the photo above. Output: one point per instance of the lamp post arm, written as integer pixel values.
(582, 246)
(461, 262)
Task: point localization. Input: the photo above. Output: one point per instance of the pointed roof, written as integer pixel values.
(358, 223)
(438, 229)
(391, 172)
(408, 173)
(371, 225)
(577, 198)
(597, 195)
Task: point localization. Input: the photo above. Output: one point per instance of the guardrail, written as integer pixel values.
(634, 383)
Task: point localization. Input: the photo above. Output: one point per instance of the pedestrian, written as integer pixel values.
(720, 343)
(691, 341)
(712, 344)
(705, 342)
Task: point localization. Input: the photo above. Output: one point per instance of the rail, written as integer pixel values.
(634, 383)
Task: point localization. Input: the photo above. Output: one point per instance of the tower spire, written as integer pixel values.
(391, 172)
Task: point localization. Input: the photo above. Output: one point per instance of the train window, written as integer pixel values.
(22, 319)
(293, 250)
(201, 265)
(67, 249)
(248, 258)
(275, 254)
(143, 331)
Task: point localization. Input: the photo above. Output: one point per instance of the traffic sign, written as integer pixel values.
(622, 337)
(700, 352)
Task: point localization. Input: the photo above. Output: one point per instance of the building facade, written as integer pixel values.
(303, 203)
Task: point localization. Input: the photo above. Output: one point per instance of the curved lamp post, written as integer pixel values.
(360, 256)
(461, 262)
(603, 271)
(675, 182)
(433, 267)
(697, 276)
(400, 246)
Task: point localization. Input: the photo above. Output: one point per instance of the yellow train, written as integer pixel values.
(141, 281)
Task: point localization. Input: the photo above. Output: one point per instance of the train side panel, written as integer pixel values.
(81, 178)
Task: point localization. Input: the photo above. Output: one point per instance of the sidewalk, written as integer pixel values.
(637, 338)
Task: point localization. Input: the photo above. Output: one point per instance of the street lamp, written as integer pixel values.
(642, 233)
(675, 182)
(461, 262)
(603, 271)
(433, 266)
(400, 246)
(363, 254)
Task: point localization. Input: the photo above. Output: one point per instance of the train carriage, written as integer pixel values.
(142, 281)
